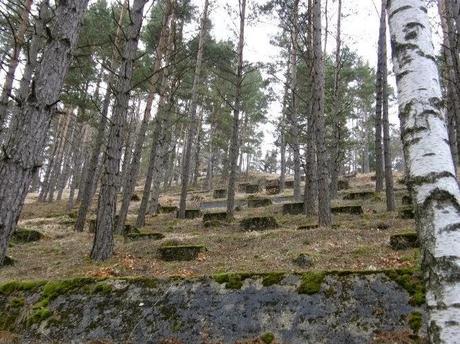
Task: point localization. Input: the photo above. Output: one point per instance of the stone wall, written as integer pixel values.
(272, 308)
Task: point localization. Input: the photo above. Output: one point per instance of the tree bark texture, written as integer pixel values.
(431, 174)
(23, 151)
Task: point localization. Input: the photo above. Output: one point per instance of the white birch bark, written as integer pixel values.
(431, 174)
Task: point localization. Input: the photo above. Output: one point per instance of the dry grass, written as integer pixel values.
(354, 243)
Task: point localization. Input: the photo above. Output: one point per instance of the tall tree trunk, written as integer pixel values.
(59, 157)
(107, 203)
(129, 129)
(365, 145)
(311, 170)
(36, 43)
(80, 143)
(431, 174)
(336, 156)
(66, 168)
(185, 178)
(51, 157)
(450, 77)
(379, 167)
(18, 42)
(451, 20)
(293, 108)
(22, 153)
(389, 189)
(234, 149)
(159, 123)
(198, 140)
(91, 177)
(283, 132)
(324, 202)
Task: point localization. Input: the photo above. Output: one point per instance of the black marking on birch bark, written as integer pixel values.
(404, 111)
(450, 228)
(427, 56)
(447, 269)
(412, 131)
(401, 75)
(411, 141)
(411, 35)
(429, 154)
(423, 8)
(437, 103)
(413, 25)
(430, 112)
(430, 178)
(403, 8)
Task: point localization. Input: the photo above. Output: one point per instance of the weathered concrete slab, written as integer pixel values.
(229, 308)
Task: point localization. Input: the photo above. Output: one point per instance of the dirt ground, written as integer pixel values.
(354, 242)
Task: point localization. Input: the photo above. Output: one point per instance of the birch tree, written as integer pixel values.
(431, 173)
(22, 152)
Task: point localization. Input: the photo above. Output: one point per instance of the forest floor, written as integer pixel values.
(355, 242)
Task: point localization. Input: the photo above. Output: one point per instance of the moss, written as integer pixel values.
(412, 282)
(415, 321)
(145, 236)
(52, 290)
(311, 282)
(38, 315)
(272, 278)
(180, 253)
(259, 223)
(268, 338)
(101, 288)
(232, 280)
(13, 286)
(26, 236)
(17, 302)
(144, 281)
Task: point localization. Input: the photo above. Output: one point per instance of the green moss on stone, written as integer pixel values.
(311, 282)
(180, 252)
(143, 281)
(232, 280)
(38, 315)
(102, 288)
(415, 321)
(52, 290)
(268, 338)
(13, 286)
(411, 281)
(26, 236)
(17, 302)
(272, 278)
